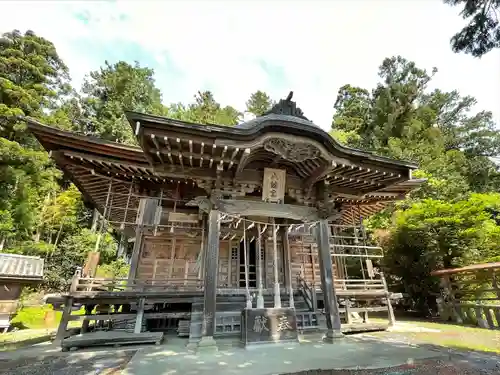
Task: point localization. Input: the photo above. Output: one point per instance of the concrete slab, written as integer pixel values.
(348, 353)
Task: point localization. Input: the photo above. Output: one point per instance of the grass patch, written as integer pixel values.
(451, 336)
(33, 317)
(19, 339)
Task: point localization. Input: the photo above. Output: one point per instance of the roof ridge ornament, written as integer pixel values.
(287, 107)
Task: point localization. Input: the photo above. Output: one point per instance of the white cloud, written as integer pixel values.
(320, 45)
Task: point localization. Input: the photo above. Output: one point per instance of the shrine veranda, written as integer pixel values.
(221, 222)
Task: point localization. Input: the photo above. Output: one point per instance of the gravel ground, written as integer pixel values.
(70, 364)
(427, 367)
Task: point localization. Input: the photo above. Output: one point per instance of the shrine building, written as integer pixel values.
(254, 230)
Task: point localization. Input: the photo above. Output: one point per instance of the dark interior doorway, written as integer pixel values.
(252, 265)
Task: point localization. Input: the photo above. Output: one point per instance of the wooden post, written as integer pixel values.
(61, 330)
(134, 260)
(245, 262)
(145, 216)
(260, 296)
(203, 250)
(229, 264)
(327, 283)
(454, 308)
(74, 281)
(348, 317)
(139, 316)
(86, 322)
(277, 292)
(392, 318)
(288, 267)
(496, 286)
(210, 290)
(314, 297)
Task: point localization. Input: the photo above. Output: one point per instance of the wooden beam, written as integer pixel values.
(259, 208)
(319, 172)
(242, 163)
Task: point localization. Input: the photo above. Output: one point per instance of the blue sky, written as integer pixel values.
(237, 47)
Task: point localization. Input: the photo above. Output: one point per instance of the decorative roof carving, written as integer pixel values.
(287, 107)
(293, 151)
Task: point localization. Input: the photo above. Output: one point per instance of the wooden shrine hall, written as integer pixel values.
(252, 230)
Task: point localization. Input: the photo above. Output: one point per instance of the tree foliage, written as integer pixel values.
(482, 33)
(446, 222)
(110, 91)
(32, 79)
(259, 103)
(205, 110)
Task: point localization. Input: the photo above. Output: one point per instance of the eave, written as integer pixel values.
(272, 123)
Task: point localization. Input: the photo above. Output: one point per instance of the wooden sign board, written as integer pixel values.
(269, 325)
(273, 185)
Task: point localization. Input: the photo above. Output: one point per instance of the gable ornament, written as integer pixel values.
(292, 151)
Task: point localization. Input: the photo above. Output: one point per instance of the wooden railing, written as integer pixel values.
(471, 295)
(346, 287)
(86, 284)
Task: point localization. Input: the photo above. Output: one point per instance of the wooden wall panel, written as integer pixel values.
(305, 260)
(223, 272)
(155, 262)
(268, 244)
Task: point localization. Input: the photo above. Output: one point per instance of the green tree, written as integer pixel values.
(433, 234)
(401, 119)
(25, 176)
(110, 91)
(204, 110)
(32, 79)
(259, 103)
(482, 33)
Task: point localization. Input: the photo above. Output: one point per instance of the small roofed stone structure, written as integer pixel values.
(16, 271)
(252, 230)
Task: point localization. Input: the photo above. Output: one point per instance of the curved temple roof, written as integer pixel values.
(284, 118)
(228, 158)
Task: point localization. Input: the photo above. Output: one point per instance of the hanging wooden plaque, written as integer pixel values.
(273, 185)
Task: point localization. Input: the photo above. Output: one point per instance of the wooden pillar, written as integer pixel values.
(63, 324)
(287, 260)
(455, 309)
(86, 322)
(496, 285)
(390, 310)
(260, 296)
(139, 317)
(327, 283)
(145, 216)
(277, 291)
(210, 281)
(134, 259)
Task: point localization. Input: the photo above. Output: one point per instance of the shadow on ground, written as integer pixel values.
(349, 356)
(75, 363)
